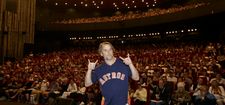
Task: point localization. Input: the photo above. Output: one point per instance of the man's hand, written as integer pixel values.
(91, 65)
(126, 60)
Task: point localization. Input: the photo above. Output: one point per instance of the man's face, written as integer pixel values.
(161, 83)
(203, 91)
(107, 52)
(180, 89)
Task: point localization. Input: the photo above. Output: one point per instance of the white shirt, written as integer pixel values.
(72, 88)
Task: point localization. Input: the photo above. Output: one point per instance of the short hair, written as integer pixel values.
(104, 43)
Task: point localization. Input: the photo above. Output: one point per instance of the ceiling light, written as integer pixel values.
(56, 3)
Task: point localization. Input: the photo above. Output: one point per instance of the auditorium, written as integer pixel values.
(112, 52)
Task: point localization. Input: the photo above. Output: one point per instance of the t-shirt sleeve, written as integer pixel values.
(93, 77)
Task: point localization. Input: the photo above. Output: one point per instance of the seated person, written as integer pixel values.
(181, 96)
(162, 93)
(140, 95)
(204, 98)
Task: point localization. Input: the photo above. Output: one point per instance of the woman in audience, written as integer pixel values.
(218, 92)
(140, 95)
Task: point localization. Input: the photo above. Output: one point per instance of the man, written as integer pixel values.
(112, 75)
(162, 93)
(181, 96)
(204, 98)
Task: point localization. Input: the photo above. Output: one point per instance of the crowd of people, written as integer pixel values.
(129, 16)
(170, 73)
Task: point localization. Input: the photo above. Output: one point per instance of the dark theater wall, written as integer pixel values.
(16, 26)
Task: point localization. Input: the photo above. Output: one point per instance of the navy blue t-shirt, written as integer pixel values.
(113, 80)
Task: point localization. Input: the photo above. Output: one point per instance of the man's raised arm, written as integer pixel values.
(91, 66)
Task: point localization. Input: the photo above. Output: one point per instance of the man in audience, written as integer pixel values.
(205, 98)
(162, 93)
(181, 96)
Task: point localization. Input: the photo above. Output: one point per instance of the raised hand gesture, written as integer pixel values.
(91, 65)
(126, 60)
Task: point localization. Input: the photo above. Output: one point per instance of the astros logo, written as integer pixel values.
(112, 75)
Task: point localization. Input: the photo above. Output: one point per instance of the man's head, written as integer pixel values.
(218, 76)
(214, 83)
(180, 86)
(161, 83)
(106, 50)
